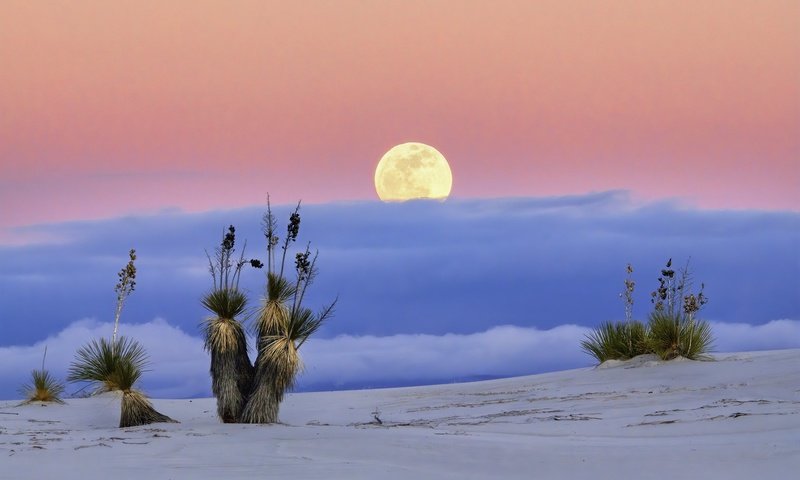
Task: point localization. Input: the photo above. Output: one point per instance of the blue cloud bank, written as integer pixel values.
(428, 291)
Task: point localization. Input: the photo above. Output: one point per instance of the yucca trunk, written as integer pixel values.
(277, 367)
(137, 410)
(231, 371)
(266, 394)
(263, 403)
(231, 380)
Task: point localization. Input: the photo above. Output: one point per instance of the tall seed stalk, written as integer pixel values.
(627, 296)
(126, 285)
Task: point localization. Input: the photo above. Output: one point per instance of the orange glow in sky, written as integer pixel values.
(117, 107)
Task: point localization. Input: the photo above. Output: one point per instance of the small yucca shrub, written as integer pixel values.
(116, 365)
(672, 329)
(675, 335)
(617, 341)
(42, 388)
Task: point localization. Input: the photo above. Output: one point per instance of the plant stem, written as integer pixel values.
(120, 301)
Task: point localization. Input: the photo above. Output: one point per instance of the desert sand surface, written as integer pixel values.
(735, 417)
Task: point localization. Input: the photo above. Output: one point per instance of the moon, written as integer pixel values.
(413, 170)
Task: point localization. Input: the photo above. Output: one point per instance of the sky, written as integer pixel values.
(581, 135)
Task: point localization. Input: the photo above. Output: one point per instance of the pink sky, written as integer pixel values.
(109, 108)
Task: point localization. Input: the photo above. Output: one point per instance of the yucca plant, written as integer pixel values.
(262, 406)
(617, 341)
(117, 365)
(252, 393)
(283, 324)
(225, 338)
(43, 386)
(674, 331)
(675, 335)
(671, 331)
(226, 342)
(279, 362)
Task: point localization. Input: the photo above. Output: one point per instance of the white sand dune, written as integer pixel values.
(734, 418)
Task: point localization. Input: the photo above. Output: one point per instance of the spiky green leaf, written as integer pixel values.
(225, 302)
(109, 365)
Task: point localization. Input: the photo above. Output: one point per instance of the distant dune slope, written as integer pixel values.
(737, 417)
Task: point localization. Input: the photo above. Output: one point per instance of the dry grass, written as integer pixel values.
(137, 410)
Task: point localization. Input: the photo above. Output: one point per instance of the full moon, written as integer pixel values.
(413, 170)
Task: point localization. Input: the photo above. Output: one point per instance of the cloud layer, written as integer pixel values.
(419, 267)
(428, 291)
(179, 366)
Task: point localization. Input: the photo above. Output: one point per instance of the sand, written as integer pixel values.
(737, 417)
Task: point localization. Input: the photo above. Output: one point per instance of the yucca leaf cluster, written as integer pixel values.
(109, 365)
(671, 330)
(43, 387)
(617, 341)
(671, 336)
(252, 393)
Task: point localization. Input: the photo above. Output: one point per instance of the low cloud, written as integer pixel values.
(775, 335)
(461, 266)
(179, 365)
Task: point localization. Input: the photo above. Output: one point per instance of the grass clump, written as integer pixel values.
(672, 329)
